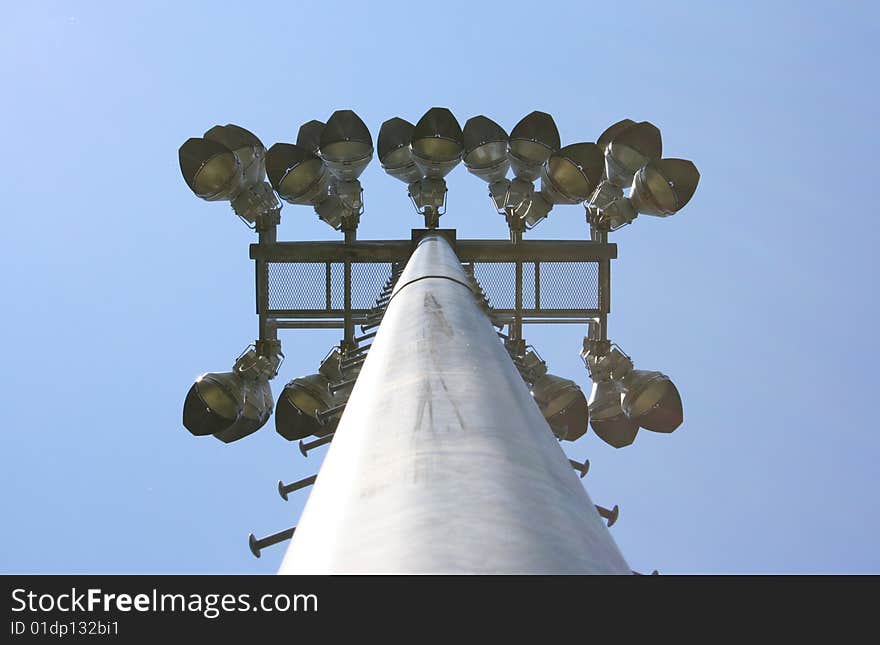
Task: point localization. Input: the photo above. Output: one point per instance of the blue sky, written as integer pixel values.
(758, 299)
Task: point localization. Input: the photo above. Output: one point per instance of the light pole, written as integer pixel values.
(444, 455)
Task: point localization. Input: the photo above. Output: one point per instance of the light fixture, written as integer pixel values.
(346, 145)
(572, 173)
(560, 400)
(394, 150)
(664, 187)
(563, 404)
(309, 135)
(233, 405)
(437, 143)
(607, 418)
(485, 149)
(628, 148)
(532, 141)
(652, 400)
(298, 175)
(303, 398)
(228, 164)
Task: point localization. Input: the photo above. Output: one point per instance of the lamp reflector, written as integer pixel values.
(255, 413)
(309, 136)
(664, 187)
(213, 403)
(346, 145)
(394, 150)
(652, 401)
(485, 149)
(607, 418)
(612, 131)
(249, 150)
(437, 143)
(631, 149)
(563, 404)
(532, 141)
(296, 415)
(572, 173)
(210, 169)
(296, 174)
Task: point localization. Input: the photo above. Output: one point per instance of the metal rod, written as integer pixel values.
(361, 339)
(582, 468)
(284, 489)
(309, 324)
(341, 385)
(305, 447)
(258, 545)
(442, 462)
(610, 515)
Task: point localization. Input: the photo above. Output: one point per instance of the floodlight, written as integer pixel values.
(563, 404)
(346, 145)
(629, 149)
(213, 403)
(532, 141)
(652, 401)
(298, 175)
(210, 169)
(309, 136)
(485, 149)
(607, 418)
(296, 415)
(394, 150)
(612, 131)
(232, 405)
(248, 149)
(664, 187)
(572, 173)
(437, 143)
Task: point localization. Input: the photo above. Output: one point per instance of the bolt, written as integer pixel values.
(330, 413)
(258, 545)
(305, 447)
(582, 468)
(611, 515)
(283, 489)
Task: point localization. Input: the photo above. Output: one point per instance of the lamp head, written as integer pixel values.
(607, 418)
(572, 173)
(485, 149)
(297, 175)
(664, 187)
(248, 149)
(296, 415)
(652, 401)
(309, 135)
(532, 141)
(629, 149)
(437, 143)
(394, 150)
(210, 169)
(346, 145)
(563, 404)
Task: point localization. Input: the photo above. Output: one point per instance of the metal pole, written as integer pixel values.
(442, 462)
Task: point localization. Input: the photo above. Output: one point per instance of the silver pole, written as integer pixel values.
(442, 462)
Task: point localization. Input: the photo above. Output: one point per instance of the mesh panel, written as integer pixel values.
(498, 280)
(297, 285)
(303, 285)
(569, 285)
(367, 280)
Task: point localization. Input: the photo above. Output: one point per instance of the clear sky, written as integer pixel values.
(119, 286)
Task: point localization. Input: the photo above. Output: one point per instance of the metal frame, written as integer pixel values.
(396, 252)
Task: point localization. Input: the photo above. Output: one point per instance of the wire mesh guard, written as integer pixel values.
(563, 288)
(320, 286)
(303, 289)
